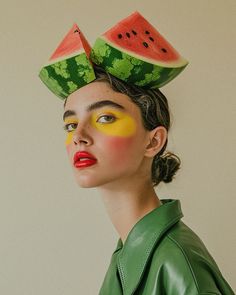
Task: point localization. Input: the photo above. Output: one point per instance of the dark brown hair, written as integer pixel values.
(155, 112)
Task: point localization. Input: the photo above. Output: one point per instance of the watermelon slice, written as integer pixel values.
(69, 67)
(134, 51)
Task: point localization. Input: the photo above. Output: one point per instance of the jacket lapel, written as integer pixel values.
(133, 256)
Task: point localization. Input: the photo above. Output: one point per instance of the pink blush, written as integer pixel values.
(68, 148)
(119, 143)
(119, 147)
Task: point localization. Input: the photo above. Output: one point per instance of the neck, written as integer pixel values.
(126, 204)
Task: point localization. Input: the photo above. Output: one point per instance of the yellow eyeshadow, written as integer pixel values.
(70, 120)
(124, 125)
(69, 137)
(70, 134)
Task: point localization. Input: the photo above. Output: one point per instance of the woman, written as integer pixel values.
(117, 136)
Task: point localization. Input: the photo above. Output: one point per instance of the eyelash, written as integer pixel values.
(67, 126)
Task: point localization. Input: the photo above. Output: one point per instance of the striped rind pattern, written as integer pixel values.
(131, 69)
(66, 76)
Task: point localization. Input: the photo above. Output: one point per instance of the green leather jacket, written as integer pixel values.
(163, 256)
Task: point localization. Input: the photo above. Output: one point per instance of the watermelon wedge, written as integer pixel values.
(69, 67)
(134, 51)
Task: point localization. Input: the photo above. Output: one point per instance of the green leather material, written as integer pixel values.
(163, 256)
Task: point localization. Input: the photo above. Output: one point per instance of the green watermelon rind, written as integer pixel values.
(67, 75)
(131, 69)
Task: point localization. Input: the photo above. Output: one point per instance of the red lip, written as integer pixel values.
(84, 163)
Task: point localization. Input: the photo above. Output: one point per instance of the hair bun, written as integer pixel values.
(164, 167)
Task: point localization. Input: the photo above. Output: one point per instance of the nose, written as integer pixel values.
(81, 135)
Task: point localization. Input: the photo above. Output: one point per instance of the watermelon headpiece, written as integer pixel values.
(132, 50)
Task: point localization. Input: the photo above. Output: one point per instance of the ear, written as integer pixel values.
(157, 139)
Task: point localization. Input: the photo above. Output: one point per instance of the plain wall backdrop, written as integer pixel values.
(56, 238)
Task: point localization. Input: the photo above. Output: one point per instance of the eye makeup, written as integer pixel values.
(70, 125)
(123, 125)
(120, 125)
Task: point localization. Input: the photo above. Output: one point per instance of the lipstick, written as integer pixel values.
(84, 159)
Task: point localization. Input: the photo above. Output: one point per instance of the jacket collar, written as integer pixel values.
(141, 240)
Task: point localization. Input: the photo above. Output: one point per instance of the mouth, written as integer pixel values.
(84, 159)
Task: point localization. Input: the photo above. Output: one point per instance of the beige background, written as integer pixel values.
(56, 238)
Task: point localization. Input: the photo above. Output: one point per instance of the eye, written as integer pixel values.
(108, 119)
(70, 127)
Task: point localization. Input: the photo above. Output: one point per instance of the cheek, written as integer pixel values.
(120, 150)
(68, 149)
(68, 141)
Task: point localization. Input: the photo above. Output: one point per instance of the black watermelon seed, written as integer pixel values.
(151, 39)
(135, 33)
(120, 36)
(128, 35)
(77, 31)
(147, 32)
(145, 44)
(164, 50)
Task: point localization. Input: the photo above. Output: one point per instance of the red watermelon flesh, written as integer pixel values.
(73, 42)
(135, 34)
(135, 52)
(69, 67)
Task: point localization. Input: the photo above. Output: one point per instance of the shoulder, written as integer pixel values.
(186, 264)
(188, 245)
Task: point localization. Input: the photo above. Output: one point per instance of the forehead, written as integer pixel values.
(97, 91)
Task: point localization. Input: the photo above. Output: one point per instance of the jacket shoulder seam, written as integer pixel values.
(188, 262)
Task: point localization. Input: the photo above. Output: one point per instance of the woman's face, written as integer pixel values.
(108, 125)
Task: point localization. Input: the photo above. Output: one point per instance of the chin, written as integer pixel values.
(87, 181)
(91, 179)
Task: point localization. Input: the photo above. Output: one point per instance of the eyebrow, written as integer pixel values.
(93, 106)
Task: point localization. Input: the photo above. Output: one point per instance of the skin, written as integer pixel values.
(124, 150)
